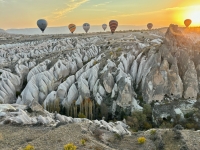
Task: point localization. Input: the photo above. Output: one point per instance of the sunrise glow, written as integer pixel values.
(24, 14)
(193, 13)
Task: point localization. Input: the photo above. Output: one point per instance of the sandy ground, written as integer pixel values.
(54, 138)
(45, 138)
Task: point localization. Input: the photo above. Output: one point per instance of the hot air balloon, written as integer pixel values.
(72, 28)
(187, 22)
(86, 27)
(113, 25)
(42, 24)
(104, 26)
(149, 26)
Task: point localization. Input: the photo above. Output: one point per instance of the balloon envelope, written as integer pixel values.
(42, 24)
(86, 27)
(72, 27)
(113, 25)
(149, 26)
(104, 26)
(187, 22)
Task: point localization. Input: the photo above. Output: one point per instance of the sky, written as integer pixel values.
(25, 13)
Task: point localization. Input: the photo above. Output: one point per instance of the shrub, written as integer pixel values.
(152, 132)
(118, 136)
(178, 127)
(18, 93)
(119, 49)
(166, 125)
(98, 133)
(29, 147)
(53, 106)
(83, 141)
(188, 115)
(141, 140)
(191, 126)
(81, 115)
(137, 120)
(97, 148)
(1, 137)
(70, 146)
(95, 62)
(177, 135)
(147, 110)
(147, 125)
(161, 145)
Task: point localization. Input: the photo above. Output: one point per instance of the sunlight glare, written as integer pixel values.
(194, 14)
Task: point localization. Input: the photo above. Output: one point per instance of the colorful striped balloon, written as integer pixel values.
(149, 26)
(72, 28)
(113, 25)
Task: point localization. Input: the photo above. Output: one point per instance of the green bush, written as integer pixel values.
(95, 62)
(81, 115)
(137, 120)
(70, 146)
(83, 142)
(119, 49)
(191, 126)
(29, 147)
(152, 132)
(188, 115)
(147, 125)
(98, 134)
(147, 110)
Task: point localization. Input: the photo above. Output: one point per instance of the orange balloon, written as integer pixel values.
(72, 28)
(187, 22)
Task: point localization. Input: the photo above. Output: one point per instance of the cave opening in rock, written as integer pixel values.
(164, 119)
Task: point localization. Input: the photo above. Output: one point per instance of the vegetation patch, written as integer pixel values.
(141, 140)
(70, 146)
(29, 147)
(83, 142)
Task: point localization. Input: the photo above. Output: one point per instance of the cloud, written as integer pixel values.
(94, 9)
(71, 5)
(102, 4)
(163, 17)
(157, 11)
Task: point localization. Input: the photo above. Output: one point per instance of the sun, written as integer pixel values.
(193, 13)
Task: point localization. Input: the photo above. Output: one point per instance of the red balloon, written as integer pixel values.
(113, 25)
(187, 22)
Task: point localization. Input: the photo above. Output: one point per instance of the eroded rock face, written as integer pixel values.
(190, 82)
(126, 93)
(108, 81)
(107, 71)
(171, 110)
(154, 86)
(175, 38)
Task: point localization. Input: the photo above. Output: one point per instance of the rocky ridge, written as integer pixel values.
(86, 74)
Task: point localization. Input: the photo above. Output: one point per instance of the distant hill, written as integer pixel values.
(64, 29)
(2, 31)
